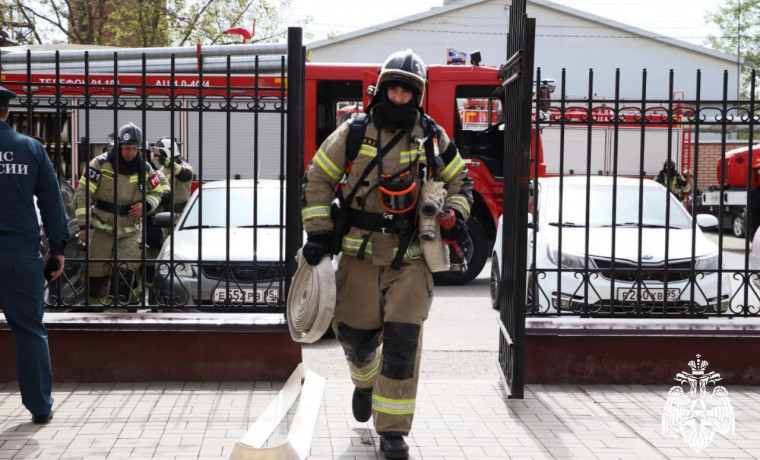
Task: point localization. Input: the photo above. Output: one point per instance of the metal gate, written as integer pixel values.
(235, 111)
(517, 77)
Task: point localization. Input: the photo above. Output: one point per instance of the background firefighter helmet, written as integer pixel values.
(407, 67)
(130, 134)
(668, 162)
(167, 147)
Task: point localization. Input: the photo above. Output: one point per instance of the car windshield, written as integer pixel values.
(600, 207)
(241, 206)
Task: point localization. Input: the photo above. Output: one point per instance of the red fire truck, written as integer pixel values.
(735, 189)
(466, 102)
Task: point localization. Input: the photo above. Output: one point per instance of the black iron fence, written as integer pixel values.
(234, 119)
(643, 207)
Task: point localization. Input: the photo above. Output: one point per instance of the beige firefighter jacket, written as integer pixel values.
(99, 180)
(183, 181)
(327, 169)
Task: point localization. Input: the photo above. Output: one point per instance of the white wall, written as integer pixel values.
(563, 41)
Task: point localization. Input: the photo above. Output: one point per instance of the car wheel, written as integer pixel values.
(737, 225)
(495, 282)
(476, 257)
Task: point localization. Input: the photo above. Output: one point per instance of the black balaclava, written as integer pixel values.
(123, 166)
(390, 115)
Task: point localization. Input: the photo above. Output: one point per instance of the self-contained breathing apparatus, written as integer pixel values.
(399, 195)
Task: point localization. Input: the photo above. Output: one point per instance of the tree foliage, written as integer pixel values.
(142, 23)
(739, 23)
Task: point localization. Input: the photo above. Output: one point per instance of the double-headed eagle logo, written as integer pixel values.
(698, 414)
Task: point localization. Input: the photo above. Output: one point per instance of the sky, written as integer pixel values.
(681, 19)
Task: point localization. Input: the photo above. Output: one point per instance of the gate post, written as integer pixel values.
(517, 77)
(294, 151)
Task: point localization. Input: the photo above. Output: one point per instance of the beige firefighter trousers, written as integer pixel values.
(377, 305)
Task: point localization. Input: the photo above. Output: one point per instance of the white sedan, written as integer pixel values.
(218, 261)
(643, 260)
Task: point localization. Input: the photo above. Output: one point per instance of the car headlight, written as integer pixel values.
(707, 263)
(180, 269)
(571, 261)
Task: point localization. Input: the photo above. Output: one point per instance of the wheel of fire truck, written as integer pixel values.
(737, 225)
(476, 255)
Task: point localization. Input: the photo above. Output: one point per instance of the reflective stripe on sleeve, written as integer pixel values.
(328, 166)
(452, 168)
(458, 200)
(315, 211)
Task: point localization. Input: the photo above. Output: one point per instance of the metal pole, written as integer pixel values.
(294, 164)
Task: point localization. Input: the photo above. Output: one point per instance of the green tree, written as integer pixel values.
(739, 23)
(146, 23)
(14, 29)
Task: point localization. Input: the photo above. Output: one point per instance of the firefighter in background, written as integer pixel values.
(116, 181)
(167, 160)
(674, 181)
(154, 235)
(384, 288)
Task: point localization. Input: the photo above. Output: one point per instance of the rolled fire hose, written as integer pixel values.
(311, 300)
(434, 249)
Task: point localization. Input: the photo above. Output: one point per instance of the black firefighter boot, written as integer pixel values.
(394, 446)
(98, 288)
(361, 404)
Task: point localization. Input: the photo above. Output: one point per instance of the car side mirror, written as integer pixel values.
(707, 221)
(163, 220)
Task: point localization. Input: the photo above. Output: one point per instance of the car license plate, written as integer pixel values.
(647, 295)
(248, 295)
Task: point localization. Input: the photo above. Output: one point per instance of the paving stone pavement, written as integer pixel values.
(455, 419)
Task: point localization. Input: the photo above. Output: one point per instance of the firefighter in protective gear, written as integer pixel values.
(109, 210)
(154, 235)
(674, 181)
(167, 159)
(176, 180)
(384, 288)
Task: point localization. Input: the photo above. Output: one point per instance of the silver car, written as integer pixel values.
(577, 263)
(219, 261)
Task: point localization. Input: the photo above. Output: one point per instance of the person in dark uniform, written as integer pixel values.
(26, 172)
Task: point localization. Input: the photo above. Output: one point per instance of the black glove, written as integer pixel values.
(458, 231)
(52, 265)
(681, 182)
(166, 200)
(316, 246)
